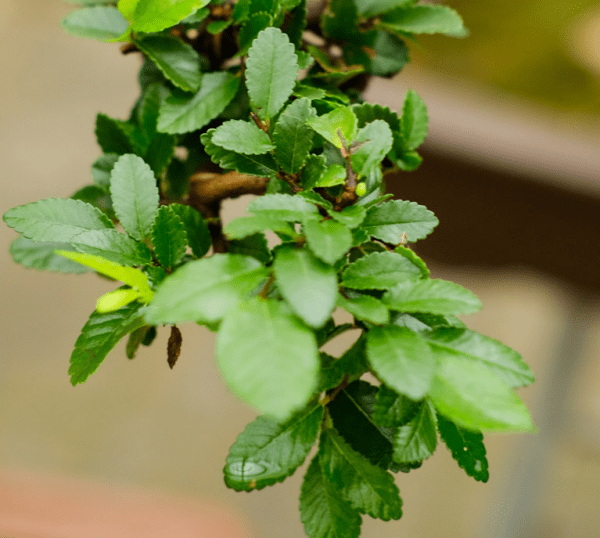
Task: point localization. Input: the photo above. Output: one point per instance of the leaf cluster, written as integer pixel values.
(246, 96)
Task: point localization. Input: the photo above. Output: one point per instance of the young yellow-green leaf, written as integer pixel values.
(113, 246)
(98, 336)
(503, 361)
(177, 60)
(323, 512)
(307, 284)
(196, 228)
(292, 137)
(254, 165)
(474, 398)
(284, 206)
(42, 256)
(113, 300)
(133, 277)
(102, 23)
(205, 290)
(368, 488)
(268, 451)
(242, 137)
(392, 409)
(169, 237)
(414, 122)
(156, 15)
(246, 226)
(365, 308)
(268, 357)
(433, 296)
(417, 440)
(329, 240)
(391, 220)
(401, 359)
(55, 219)
(467, 448)
(379, 271)
(182, 113)
(135, 195)
(271, 71)
(339, 122)
(375, 141)
(424, 19)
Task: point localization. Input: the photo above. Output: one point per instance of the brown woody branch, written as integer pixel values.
(207, 188)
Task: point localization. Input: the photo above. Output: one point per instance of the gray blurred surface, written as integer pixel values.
(139, 423)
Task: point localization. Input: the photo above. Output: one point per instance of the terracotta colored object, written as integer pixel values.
(41, 506)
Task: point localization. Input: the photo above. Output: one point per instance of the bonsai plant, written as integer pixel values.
(264, 97)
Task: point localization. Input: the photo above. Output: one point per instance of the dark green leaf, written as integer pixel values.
(242, 137)
(196, 228)
(417, 440)
(250, 30)
(115, 136)
(182, 113)
(96, 196)
(284, 206)
(392, 55)
(369, 112)
(268, 358)
(307, 284)
(271, 71)
(414, 121)
(314, 168)
(102, 168)
(324, 514)
(392, 409)
(41, 256)
(169, 237)
(136, 338)
(365, 308)
(98, 336)
(297, 24)
(246, 226)
(205, 290)
(379, 271)
(329, 240)
(268, 451)
(254, 245)
(424, 19)
(160, 152)
(113, 246)
(135, 195)
(467, 448)
(352, 216)
(368, 8)
(340, 20)
(102, 23)
(391, 220)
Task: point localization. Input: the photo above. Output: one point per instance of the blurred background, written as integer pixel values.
(511, 168)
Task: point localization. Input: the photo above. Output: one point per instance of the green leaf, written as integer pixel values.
(196, 228)
(340, 20)
(169, 237)
(181, 113)
(41, 256)
(353, 363)
(390, 220)
(369, 112)
(247, 226)
(156, 15)
(135, 195)
(365, 308)
(205, 290)
(268, 358)
(250, 30)
(368, 488)
(392, 55)
(474, 398)
(297, 24)
(433, 296)
(284, 206)
(339, 122)
(379, 271)
(329, 240)
(307, 284)
(268, 451)
(98, 336)
(133, 277)
(401, 359)
(503, 361)
(314, 168)
(292, 137)
(323, 513)
(216, 27)
(177, 60)
(114, 300)
(96, 196)
(352, 414)
(113, 246)
(115, 136)
(271, 71)
(242, 137)
(375, 141)
(467, 448)
(254, 245)
(417, 440)
(102, 168)
(136, 338)
(392, 409)
(102, 23)
(368, 8)
(255, 165)
(424, 19)
(414, 259)
(315, 198)
(160, 153)
(414, 122)
(55, 219)
(335, 174)
(352, 216)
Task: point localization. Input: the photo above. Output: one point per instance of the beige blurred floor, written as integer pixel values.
(138, 423)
